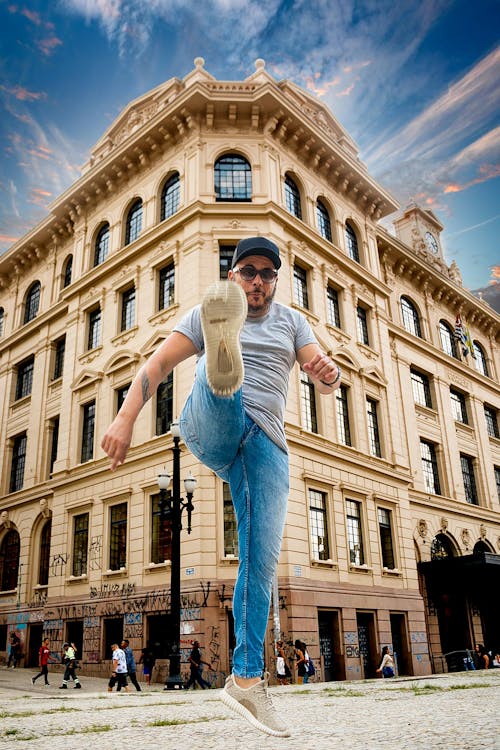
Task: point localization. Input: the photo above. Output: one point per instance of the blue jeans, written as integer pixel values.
(222, 436)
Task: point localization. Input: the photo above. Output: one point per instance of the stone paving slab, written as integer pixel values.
(453, 711)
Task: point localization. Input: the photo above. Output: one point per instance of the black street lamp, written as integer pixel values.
(172, 508)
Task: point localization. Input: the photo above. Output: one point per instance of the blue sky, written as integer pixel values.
(416, 84)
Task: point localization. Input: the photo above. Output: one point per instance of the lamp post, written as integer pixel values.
(172, 507)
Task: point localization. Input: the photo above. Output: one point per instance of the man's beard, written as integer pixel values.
(263, 306)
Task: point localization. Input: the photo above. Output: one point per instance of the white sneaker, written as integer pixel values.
(255, 705)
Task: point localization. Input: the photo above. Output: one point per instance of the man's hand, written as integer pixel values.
(322, 368)
(116, 440)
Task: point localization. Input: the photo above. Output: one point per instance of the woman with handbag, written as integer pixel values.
(387, 663)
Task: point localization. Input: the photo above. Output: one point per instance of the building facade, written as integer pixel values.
(395, 479)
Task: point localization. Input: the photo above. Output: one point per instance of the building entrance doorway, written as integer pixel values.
(399, 633)
(35, 635)
(367, 643)
(329, 646)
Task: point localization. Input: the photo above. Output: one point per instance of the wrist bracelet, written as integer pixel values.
(337, 378)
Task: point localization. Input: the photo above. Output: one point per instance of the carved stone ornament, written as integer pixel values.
(422, 527)
(483, 531)
(44, 508)
(466, 538)
(4, 519)
(444, 523)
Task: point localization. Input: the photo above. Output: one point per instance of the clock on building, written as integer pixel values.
(431, 243)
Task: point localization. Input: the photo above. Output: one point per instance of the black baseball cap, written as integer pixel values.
(256, 246)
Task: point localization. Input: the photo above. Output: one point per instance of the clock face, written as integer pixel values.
(431, 243)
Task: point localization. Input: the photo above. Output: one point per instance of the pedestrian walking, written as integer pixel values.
(147, 659)
(131, 667)
(119, 670)
(283, 673)
(69, 660)
(195, 662)
(14, 651)
(246, 345)
(387, 664)
(301, 663)
(43, 662)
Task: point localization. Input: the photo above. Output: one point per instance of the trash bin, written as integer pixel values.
(458, 661)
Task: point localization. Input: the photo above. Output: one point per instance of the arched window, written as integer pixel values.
(323, 219)
(43, 567)
(170, 196)
(67, 272)
(351, 242)
(480, 361)
(232, 178)
(2, 316)
(481, 547)
(411, 320)
(292, 197)
(448, 340)
(441, 547)
(9, 560)
(32, 302)
(101, 245)
(134, 222)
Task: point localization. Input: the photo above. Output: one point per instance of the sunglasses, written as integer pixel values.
(248, 273)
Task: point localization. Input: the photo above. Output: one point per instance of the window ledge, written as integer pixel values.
(394, 572)
(77, 579)
(41, 587)
(115, 573)
(316, 563)
(360, 568)
(161, 317)
(89, 355)
(230, 560)
(8, 592)
(152, 567)
(122, 338)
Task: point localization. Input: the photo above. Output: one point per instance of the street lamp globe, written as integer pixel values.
(190, 484)
(163, 480)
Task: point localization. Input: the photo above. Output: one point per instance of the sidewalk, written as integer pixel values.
(452, 711)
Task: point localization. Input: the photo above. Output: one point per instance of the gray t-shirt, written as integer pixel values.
(269, 346)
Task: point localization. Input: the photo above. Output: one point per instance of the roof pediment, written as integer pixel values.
(86, 378)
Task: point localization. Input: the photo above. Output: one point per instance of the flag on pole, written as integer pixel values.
(461, 335)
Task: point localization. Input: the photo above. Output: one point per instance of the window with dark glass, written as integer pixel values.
(300, 286)
(32, 302)
(430, 467)
(43, 566)
(373, 428)
(118, 536)
(491, 417)
(166, 287)
(80, 544)
(362, 321)
(448, 340)
(226, 253)
(9, 560)
(88, 428)
(385, 531)
(497, 480)
(128, 309)
(68, 271)
(2, 318)
(59, 352)
(121, 395)
(54, 442)
(323, 219)
(351, 242)
(458, 406)
(94, 338)
(480, 359)
(230, 524)
(232, 178)
(292, 197)
(18, 462)
(332, 306)
(24, 381)
(318, 522)
(101, 247)
(161, 531)
(134, 222)
(441, 547)
(308, 403)
(410, 316)
(164, 405)
(354, 533)
(467, 465)
(421, 388)
(170, 196)
(343, 428)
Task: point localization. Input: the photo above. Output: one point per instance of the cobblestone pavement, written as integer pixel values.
(449, 711)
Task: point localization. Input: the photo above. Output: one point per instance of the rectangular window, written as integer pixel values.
(226, 253)
(128, 309)
(165, 405)
(94, 338)
(354, 533)
(344, 430)
(332, 307)
(161, 531)
(230, 525)
(421, 388)
(121, 395)
(59, 351)
(429, 467)
(362, 320)
(167, 287)
(385, 531)
(54, 441)
(490, 414)
(458, 406)
(80, 544)
(88, 428)
(497, 480)
(24, 383)
(373, 430)
(18, 462)
(308, 403)
(318, 525)
(467, 464)
(300, 286)
(118, 536)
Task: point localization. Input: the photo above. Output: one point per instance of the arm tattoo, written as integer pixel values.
(146, 395)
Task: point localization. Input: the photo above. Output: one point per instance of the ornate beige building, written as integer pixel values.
(393, 530)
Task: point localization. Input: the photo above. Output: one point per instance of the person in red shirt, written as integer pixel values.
(43, 662)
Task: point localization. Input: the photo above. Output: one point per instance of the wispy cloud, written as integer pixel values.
(23, 94)
(473, 227)
(47, 43)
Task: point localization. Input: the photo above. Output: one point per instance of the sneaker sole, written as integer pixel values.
(236, 706)
(223, 313)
